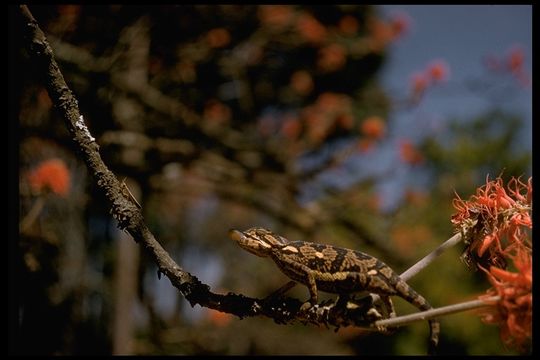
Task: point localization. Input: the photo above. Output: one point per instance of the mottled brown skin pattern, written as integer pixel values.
(332, 269)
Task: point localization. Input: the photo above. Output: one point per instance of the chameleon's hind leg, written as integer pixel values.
(390, 312)
(388, 306)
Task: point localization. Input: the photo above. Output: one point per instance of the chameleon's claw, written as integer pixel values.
(306, 306)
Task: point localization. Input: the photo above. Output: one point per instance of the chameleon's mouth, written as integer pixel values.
(254, 246)
(236, 235)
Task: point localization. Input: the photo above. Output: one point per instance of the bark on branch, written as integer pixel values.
(130, 219)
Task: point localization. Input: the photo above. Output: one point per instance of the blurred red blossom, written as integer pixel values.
(44, 99)
(348, 25)
(516, 59)
(419, 83)
(216, 112)
(365, 145)
(332, 57)
(435, 72)
(409, 153)
(291, 127)
(438, 70)
(416, 197)
(329, 101)
(381, 34)
(513, 63)
(302, 82)
(218, 318)
(373, 127)
(275, 16)
(52, 175)
(310, 28)
(345, 121)
(68, 18)
(400, 23)
(218, 38)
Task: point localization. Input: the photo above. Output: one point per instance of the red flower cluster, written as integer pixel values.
(512, 63)
(494, 224)
(382, 33)
(52, 175)
(436, 72)
(217, 113)
(328, 111)
(373, 127)
(302, 82)
(400, 22)
(276, 16)
(513, 312)
(311, 29)
(332, 57)
(218, 38)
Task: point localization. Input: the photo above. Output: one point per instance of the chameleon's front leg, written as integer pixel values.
(313, 293)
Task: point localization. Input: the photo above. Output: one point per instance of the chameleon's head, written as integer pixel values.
(258, 241)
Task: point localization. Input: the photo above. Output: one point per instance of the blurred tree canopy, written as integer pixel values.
(229, 116)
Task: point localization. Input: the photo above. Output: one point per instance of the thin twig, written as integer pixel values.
(32, 214)
(416, 268)
(429, 314)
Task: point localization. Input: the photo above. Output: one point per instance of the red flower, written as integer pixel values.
(438, 71)
(365, 145)
(513, 312)
(291, 127)
(302, 82)
(217, 112)
(328, 102)
(332, 57)
(409, 153)
(276, 16)
(345, 121)
(400, 23)
(348, 25)
(373, 127)
(493, 221)
(218, 318)
(419, 83)
(218, 38)
(311, 29)
(52, 175)
(515, 59)
(381, 34)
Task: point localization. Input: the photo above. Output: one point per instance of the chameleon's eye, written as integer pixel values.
(290, 249)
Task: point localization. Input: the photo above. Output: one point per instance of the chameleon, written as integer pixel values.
(332, 269)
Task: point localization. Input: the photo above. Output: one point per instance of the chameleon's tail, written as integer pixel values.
(418, 300)
(435, 328)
